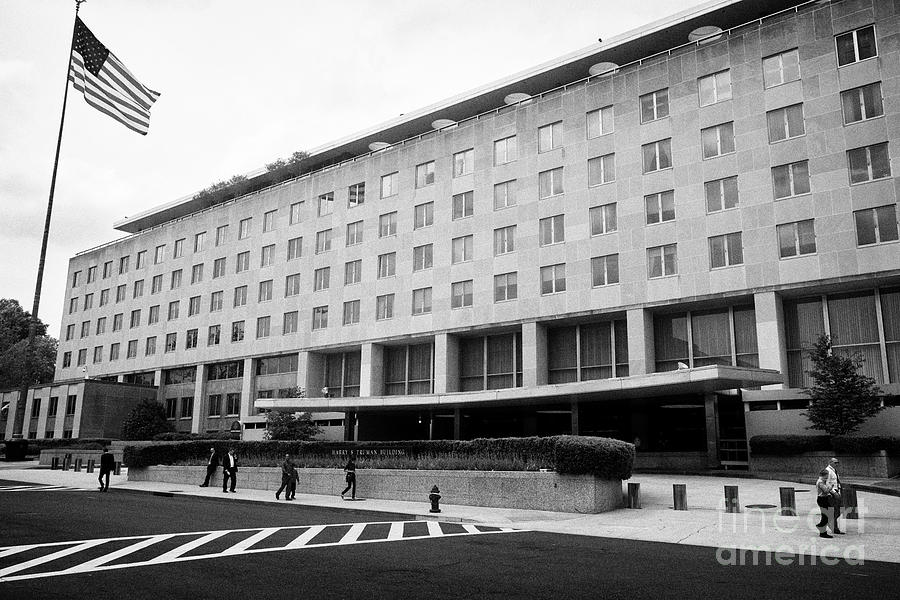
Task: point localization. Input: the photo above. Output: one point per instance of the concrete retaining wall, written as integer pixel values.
(84, 455)
(499, 489)
(810, 463)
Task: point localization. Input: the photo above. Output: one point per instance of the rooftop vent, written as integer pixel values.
(442, 124)
(705, 34)
(517, 98)
(604, 68)
(376, 146)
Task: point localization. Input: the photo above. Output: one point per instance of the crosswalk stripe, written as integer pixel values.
(108, 558)
(353, 534)
(171, 555)
(470, 528)
(49, 557)
(307, 535)
(41, 488)
(250, 541)
(434, 529)
(396, 531)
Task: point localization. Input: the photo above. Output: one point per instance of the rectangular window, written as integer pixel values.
(178, 250)
(858, 104)
(351, 312)
(505, 151)
(232, 404)
(876, 225)
(325, 204)
(662, 261)
(218, 268)
(425, 174)
(654, 105)
(101, 326)
(354, 233)
(214, 335)
(553, 279)
(603, 219)
(869, 163)
(215, 405)
(89, 298)
(240, 296)
(721, 194)
(243, 262)
(269, 220)
(726, 250)
(785, 123)
(353, 272)
(215, 301)
(86, 327)
(791, 179)
(504, 240)
(190, 339)
(717, 140)
(660, 207)
(120, 293)
(462, 249)
(295, 213)
(221, 234)
(123, 265)
(463, 205)
(107, 269)
(153, 317)
(292, 285)
(244, 228)
(117, 322)
(356, 194)
(114, 351)
(781, 68)
(175, 282)
(295, 248)
(461, 294)
(506, 287)
(856, 45)
(387, 224)
(137, 292)
(715, 88)
(171, 342)
(187, 407)
(70, 331)
(550, 183)
(552, 230)
(104, 297)
(421, 301)
(197, 273)
(135, 320)
(173, 309)
(267, 256)
(323, 241)
(657, 155)
(550, 137)
(605, 270)
(131, 351)
(156, 284)
(320, 317)
(171, 408)
(159, 255)
(150, 346)
(423, 215)
(321, 279)
(237, 331)
(796, 239)
(290, 322)
(199, 241)
(601, 169)
(92, 274)
(265, 290)
(193, 306)
(390, 184)
(387, 265)
(600, 122)
(423, 257)
(98, 354)
(67, 360)
(73, 305)
(263, 327)
(504, 194)
(464, 162)
(384, 307)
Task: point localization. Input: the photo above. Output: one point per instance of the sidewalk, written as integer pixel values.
(875, 536)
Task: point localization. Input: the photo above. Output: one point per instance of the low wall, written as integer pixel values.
(878, 465)
(85, 455)
(671, 461)
(498, 489)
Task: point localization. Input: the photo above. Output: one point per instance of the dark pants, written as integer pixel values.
(291, 489)
(226, 475)
(104, 473)
(827, 514)
(210, 471)
(285, 483)
(837, 513)
(351, 483)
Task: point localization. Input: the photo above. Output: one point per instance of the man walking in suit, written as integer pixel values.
(212, 464)
(229, 470)
(835, 482)
(107, 465)
(286, 467)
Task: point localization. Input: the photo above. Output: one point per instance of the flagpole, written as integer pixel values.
(19, 418)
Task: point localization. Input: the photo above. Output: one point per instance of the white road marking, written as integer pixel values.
(175, 553)
(49, 557)
(396, 531)
(307, 535)
(108, 558)
(253, 539)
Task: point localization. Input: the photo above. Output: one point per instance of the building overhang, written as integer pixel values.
(701, 380)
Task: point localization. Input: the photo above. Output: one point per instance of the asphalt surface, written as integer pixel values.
(238, 550)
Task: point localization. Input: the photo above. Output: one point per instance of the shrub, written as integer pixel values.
(867, 444)
(601, 457)
(145, 420)
(16, 449)
(183, 436)
(788, 444)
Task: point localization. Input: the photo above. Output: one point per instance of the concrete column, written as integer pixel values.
(42, 416)
(770, 338)
(248, 390)
(576, 427)
(446, 363)
(159, 382)
(58, 424)
(79, 409)
(302, 358)
(371, 370)
(641, 359)
(457, 423)
(712, 430)
(26, 416)
(315, 374)
(199, 394)
(13, 399)
(534, 354)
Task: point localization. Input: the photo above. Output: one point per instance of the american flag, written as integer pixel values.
(107, 85)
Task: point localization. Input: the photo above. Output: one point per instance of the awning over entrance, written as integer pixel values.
(686, 381)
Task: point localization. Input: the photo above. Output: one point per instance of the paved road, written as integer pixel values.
(57, 542)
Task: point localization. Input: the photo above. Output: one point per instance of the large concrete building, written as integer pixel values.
(636, 240)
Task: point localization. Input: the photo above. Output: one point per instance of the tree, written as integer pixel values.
(14, 321)
(290, 426)
(146, 420)
(842, 398)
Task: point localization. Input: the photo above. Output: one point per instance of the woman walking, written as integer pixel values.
(825, 500)
(350, 470)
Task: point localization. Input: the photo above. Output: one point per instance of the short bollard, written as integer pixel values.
(78, 465)
(67, 462)
(732, 504)
(679, 491)
(788, 502)
(849, 503)
(634, 495)
(90, 467)
(435, 497)
(118, 468)
(54, 463)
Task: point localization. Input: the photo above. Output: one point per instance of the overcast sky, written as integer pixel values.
(242, 83)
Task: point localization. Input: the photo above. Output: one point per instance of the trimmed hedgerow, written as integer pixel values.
(34, 447)
(601, 457)
(865, 444)
(789, 444)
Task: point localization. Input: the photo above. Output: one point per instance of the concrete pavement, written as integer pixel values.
(759, 527)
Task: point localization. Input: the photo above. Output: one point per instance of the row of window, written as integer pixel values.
(218, 405)
(53, 406)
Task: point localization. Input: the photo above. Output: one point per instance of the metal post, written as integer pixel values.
(90, 465)
(849, 502)
(732, 504)
(118, 469)
(54, 463)
(78, 465)
(634, 495)
(788, 502)
(679, 491)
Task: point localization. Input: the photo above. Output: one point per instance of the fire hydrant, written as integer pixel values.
(435, 497)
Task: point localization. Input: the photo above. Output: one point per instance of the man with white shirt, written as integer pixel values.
(835, 482)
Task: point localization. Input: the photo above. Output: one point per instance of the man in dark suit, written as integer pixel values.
(229, 470)
(212, 464)
(107, 465)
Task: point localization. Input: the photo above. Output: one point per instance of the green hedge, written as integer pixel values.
(798, 444)
(601, 457)
(867, 444)
(35, 446)
(184, 436)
